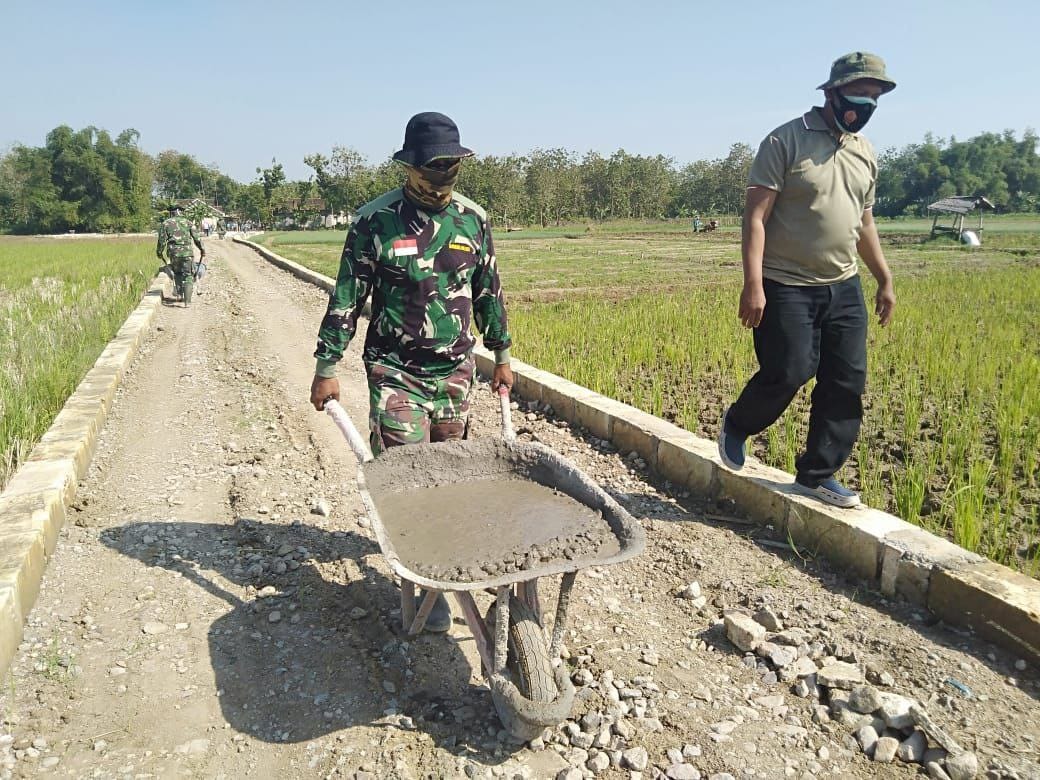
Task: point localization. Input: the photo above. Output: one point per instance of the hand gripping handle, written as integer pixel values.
(350, 433)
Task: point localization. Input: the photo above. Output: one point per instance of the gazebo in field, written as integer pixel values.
(958, 207)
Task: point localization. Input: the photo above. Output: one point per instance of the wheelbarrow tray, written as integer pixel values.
(402, 469)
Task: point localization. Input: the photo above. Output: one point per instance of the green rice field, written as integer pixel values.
(61, 301)
(646, 313)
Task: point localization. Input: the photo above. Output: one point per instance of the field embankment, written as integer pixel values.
(61, 302)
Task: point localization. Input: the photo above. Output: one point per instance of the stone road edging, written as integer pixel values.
(32, 505)
(297, 270)
(904, 560)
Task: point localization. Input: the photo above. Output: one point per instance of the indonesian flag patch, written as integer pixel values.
(405, 247)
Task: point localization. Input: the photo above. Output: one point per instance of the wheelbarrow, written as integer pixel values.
(529, 683)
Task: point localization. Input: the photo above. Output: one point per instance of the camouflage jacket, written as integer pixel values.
(176, 235)
(428, 273)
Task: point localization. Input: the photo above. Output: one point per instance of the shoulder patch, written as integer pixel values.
(384, 200)
(466, 203)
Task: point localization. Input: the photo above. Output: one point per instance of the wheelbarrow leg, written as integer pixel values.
(478, 628)
(424, 612)
(501, 630)
(560, 623)
(407, 604)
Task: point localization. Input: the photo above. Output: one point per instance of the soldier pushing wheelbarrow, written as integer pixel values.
(176, 235)
(424, 254)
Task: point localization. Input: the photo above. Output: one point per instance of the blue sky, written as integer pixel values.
(237, 83)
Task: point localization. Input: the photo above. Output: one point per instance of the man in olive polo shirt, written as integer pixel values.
(807, 218)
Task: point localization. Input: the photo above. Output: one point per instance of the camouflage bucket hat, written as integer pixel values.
(429, 135)
(855, 66)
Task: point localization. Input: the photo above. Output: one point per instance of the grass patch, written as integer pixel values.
(951, 435)
(61, 301)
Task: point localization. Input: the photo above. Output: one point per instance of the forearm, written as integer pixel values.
(869, 249)
(752, 248)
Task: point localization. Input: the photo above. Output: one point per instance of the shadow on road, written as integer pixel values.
(334, 655)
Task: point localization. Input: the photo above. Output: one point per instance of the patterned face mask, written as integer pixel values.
(852, 112)
(431, 188)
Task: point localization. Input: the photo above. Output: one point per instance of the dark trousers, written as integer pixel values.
(809, 331)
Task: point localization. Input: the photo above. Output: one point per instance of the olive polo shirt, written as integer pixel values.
(824, 182)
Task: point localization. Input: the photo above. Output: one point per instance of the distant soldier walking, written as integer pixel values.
(176, 235)
(807, 216)
(424, 252)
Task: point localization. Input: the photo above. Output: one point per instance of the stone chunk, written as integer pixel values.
(778, 655)
(932, 730)
(794, 637)
(635, 758)
(864, 698)
(912, 748)
(885, 750)
(682, 772)
(803, 667)
(895, 710)
(839, 674)
(744, 632)
(769, 619)
(963, 766)
(867, 738)
(691, 591)
(598, 763)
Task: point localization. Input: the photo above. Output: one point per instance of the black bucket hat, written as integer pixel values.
(429, 135)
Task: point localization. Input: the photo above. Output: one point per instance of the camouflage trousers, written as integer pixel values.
(183, 268)
(405, 409)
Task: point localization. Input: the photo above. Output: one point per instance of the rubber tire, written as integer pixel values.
(528, 661)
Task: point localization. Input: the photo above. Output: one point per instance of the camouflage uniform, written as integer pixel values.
(428, 273)
(176, 235)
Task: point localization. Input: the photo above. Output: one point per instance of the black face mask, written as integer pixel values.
(852, 112)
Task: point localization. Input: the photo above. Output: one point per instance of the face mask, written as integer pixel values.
(852, 112)
(429, 188)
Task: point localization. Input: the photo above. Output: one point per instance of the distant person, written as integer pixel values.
(424, 253)
(697, 223)
(176, 235)
(806, 218)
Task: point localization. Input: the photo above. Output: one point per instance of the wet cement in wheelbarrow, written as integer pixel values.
(473, 530)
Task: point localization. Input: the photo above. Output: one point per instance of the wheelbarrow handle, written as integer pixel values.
(350, 433)
(507, 416)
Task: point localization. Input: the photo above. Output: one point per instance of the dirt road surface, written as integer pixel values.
(204, 617)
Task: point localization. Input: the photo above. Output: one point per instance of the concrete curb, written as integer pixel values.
(901, 559)
(297, 270)
(32, 505)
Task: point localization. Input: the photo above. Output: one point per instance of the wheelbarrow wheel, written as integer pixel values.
(528, 660)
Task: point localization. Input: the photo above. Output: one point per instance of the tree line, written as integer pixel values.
(87, 181)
